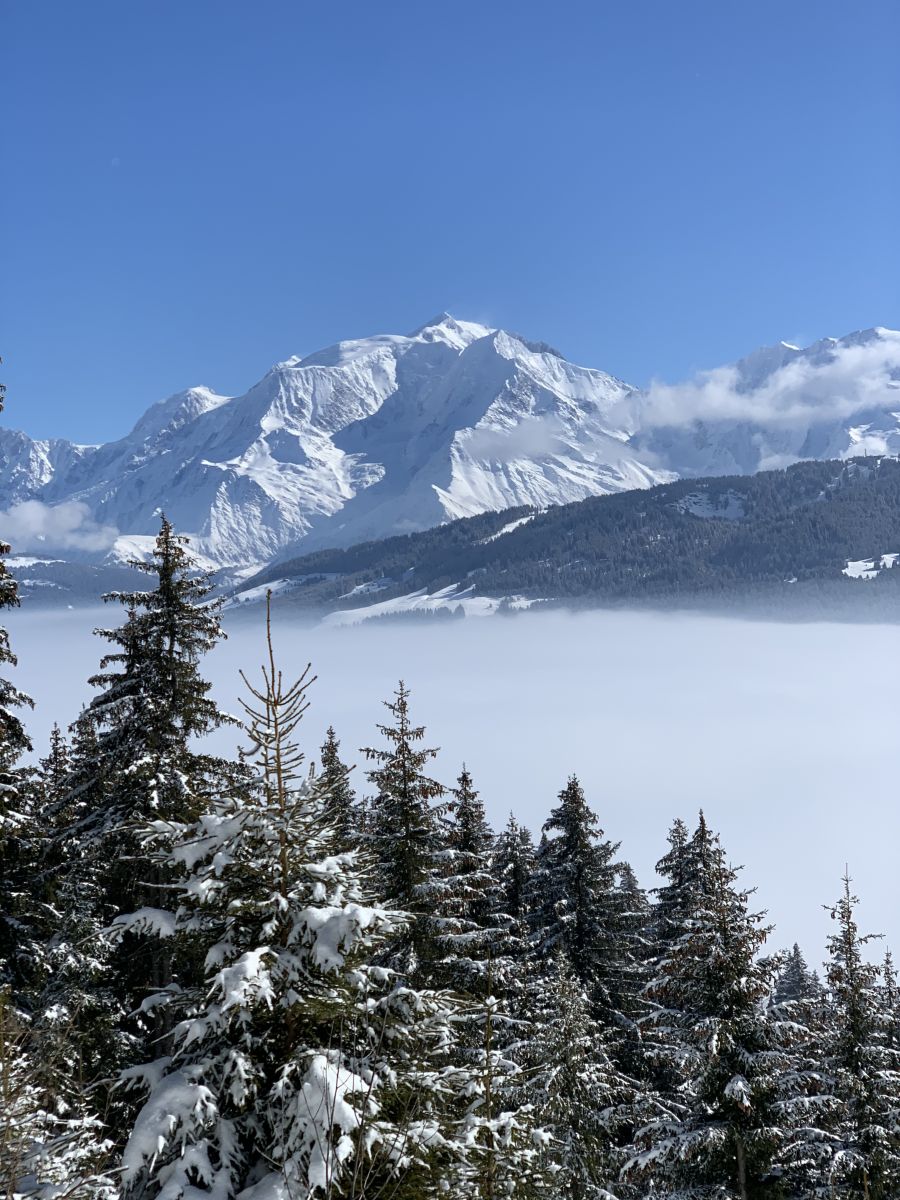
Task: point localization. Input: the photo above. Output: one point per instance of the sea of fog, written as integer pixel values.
(786, 735)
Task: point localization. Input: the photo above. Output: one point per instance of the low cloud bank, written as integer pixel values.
(783, 734)
(35, 526)
(828, 385)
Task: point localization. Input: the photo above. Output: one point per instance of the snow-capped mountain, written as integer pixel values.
(390, 434)
(837, 398)
(367, 438)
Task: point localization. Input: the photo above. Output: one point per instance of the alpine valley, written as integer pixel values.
(391, 435)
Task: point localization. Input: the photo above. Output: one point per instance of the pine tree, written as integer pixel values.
(512, 867)
(153, 701)
(14, 740)
(298, 1069)
(578, 907)
(581, 1100)
(18, 835)
(134, 761)
(470, 930)
(853, 1147)
(344, 811)
(514, 864)
(720, 1135)
(407, 836)
(46, 1153)
(672, 901)
(53, 771)
(796, 982)
(890, 1002)
(499, 1127)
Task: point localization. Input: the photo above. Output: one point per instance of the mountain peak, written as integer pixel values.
(446, 328)
(393, 432)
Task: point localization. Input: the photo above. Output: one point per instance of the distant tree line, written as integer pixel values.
(239, 978)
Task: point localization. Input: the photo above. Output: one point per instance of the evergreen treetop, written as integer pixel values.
(345, 812)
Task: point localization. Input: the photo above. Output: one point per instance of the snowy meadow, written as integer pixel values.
(783, 734)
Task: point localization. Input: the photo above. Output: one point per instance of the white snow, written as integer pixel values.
(509, 528)
(255, 594)
(454, 597)
(17, 561)
(867, 568)
(365, 589)
(395, 433)
(156, 921)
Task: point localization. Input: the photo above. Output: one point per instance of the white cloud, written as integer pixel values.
(533, 437)
(807, 390)
(33, 525)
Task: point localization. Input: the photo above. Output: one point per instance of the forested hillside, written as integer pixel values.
(780, 539)
(271, 979)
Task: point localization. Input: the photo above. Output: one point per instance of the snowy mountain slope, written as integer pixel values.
(369, 437)
(392, 434)
(796, 542)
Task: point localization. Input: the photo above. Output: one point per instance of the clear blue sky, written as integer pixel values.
(195, 189)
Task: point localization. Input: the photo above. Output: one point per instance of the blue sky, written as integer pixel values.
(192, 191)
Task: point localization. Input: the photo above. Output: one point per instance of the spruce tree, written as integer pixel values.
(298, 1069)
(513, 868)
(852, 1145)
(720, 1134)
(578, 907)
(795, 981)
(672, 901)
(514, 864)
(344, 812)
(469, 941)
(407, 837)
(153, 702)
(504, 1160)
(580, 1099)
(46, 1152)
(16, 818)
(53, 770)
(134, 761)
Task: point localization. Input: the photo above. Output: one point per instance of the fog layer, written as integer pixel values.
(786, 735)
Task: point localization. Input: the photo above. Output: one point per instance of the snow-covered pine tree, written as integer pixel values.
(512, 867)
(723, 1135)
(852, 1148)
(153, 702)
(683, 867)
(634, 921)
(298, 1069)
(17, 832)
(134, 759)
(514, 864)
(506, 1162)
(671, 901)
(14, 741)
(578, 907)
(796, 981)
(890, 1002)
(345, 813)
(580, 1099)
(53, 770)
(406, 834)
(470, 933)
(46, 1153)
(477, 950)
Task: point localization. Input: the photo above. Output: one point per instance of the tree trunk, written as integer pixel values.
(741, 1168)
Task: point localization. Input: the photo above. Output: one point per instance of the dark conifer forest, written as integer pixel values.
(774, 543)
(272, 977)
